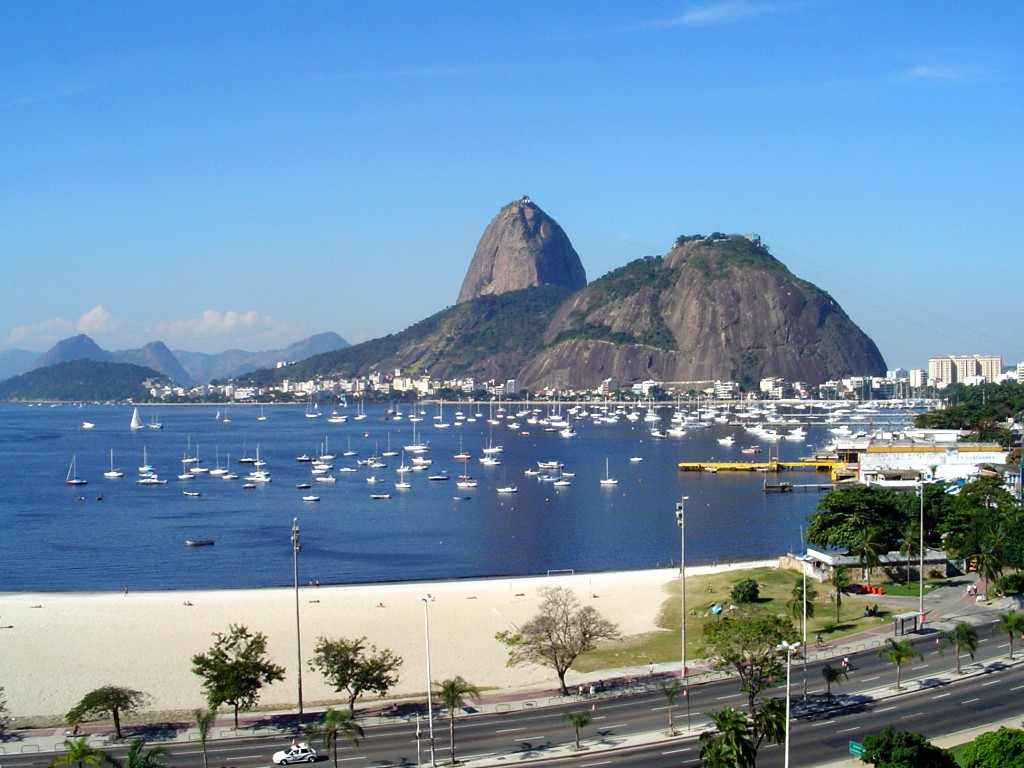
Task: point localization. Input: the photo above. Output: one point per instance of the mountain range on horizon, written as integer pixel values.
(182, 367)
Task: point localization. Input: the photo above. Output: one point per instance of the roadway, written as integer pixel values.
(935, 703)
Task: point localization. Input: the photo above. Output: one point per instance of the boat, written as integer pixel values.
(150, 479)
(437, 477)
(607, 479)
(562, 483)
(261, 417)
(311, 497)
(312, 411)
(190, 493)
(380, 496)
(154, 423)
(87, 425)
(198, 542)
(726, 440)
(113, 472)
(248, 486)
(508, 489)
(136, 420)
(327, 479)
(73, 478)
(146, 468)
(403, 485)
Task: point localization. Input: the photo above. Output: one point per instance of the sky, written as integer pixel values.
(222, 175)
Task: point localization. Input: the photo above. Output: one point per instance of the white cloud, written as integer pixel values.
(39, 337)
(942, 74)
(214, 329)
(96, 320)
(730, 12)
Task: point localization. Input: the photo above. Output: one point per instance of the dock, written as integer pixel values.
(833, 467)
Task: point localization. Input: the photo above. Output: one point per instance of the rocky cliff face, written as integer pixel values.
(713, 308)
(522, 247)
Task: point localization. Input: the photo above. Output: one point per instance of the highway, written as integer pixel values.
(820, 734)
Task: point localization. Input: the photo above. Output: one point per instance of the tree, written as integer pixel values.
(353, 669)
(337, 725)
(672, 693)
(797, 604)
(78, 752)
(910, 547)
(842, 517)
(869, 548)
(236, 668)
(577, 720)
(748, 646)
(995, 749)
(962, 636)
(452, 693)
(745, 591)
(902, 749)
(840, 581)
(204, 721)
(832, 675)
(558, 634)
(770, 723)
(137, 758)
(3, 710)
(1012, 623)
(898, 654)
(110, 698)
(731, 744)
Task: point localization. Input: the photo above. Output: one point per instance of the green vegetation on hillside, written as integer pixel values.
(978, 408)
(82, 380)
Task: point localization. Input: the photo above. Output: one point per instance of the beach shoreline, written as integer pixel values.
(58, 646)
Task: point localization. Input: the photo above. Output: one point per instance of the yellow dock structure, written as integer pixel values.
(836, 469)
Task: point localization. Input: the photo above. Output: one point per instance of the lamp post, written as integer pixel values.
(681, 521)
(295, 574)
(788, 648)
(430, 696)
(920, 552)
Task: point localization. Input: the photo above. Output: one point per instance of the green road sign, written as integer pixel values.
(856, 748)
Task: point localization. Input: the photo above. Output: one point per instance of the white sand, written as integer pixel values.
(55, 647)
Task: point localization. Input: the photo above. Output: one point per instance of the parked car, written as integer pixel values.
(296, 753)
(856, 589)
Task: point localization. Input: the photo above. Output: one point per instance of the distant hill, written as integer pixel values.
(81, 380)
(236, 362)
(157, 356)
(15, 361)
(79, 347)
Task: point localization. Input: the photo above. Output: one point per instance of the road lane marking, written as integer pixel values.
(1017, 688)
(942, 695)
(991, 682)
(971, 701)
(603, 762)
(823, 722)
(887, 709)
(916, 714)
(869, 679)
(847, 730)
(678, 751)
(508, 730)
(730, 696)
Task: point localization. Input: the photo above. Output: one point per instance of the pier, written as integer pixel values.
(833, 467)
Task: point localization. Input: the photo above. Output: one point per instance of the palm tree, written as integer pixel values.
(962, 636)
(136, 758)
(840, 581)
(672, 692)
(898, 653)
(453, 693)
(79, 753)
(770, 723)
(796, 602)
(910, 548)
(869, 549)
(204, 721)
(339, 724)
(578, 720)
(731, 743)
(1012, 623)
(832, 675)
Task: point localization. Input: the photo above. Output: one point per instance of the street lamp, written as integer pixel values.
(430, 697)
(681, 522)
(788, 648)
(295, 574)
(920, 552)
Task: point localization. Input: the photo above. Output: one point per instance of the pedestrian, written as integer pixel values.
(846, 663)
(817, 639)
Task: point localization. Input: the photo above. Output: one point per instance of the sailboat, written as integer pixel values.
(608, 479)
(113, 472)
(311, 409)
(389, 452)
(73, 478)
(136, 420)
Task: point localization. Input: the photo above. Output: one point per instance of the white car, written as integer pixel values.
(296, 753)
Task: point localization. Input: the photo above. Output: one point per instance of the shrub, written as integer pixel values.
(745, 591)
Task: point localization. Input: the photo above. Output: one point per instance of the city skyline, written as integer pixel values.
(221, 177)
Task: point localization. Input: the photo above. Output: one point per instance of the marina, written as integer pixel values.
(539, 502)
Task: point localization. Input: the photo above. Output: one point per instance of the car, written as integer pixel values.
(856, 589)
(296, 753)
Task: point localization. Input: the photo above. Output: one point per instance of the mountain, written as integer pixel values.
(79, 347)
(485, 338)
(719, 307)
(81, 380)
(236, 362)
(157, 356)
(522, 247)
(15, 361)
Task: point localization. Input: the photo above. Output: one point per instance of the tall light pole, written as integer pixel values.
(430, 696)
(681, 521)
(295, 574)
(788, 648)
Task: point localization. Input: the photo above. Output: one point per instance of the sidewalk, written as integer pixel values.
(944, 607)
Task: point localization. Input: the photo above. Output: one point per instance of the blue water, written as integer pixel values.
(57, 537)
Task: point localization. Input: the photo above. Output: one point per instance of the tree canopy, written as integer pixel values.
(996, 749)
(903, 749)
(558, 634)
(236, 668)
(110, 698)
(353, 668)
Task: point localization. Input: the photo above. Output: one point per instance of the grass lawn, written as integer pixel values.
(702, 591)
(913, 588)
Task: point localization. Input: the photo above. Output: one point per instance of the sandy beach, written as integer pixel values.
(58, 646)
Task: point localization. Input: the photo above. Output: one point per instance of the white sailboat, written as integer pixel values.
(73, 478)
(136, 420)
(113, 472)
(608, 479)
(261, 417)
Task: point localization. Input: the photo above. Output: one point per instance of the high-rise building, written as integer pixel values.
(951, 369)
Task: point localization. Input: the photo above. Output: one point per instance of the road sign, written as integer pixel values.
(856, 748)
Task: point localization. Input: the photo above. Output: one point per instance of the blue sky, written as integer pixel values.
(244, 174)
